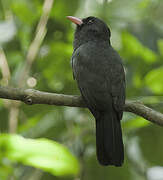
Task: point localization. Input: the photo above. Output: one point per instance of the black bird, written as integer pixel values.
(100, 76)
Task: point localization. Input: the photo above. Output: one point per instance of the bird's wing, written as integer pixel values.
(102, 83)
(117, 82)
(86, 80)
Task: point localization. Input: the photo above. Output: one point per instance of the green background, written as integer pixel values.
(137, 34)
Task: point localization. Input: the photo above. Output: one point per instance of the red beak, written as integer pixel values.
(75, 20)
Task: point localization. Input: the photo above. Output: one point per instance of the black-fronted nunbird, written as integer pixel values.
(100, 76)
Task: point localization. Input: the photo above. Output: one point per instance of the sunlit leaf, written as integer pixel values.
(137, 122)
(137, 80)
(144, 4)
(160, 46)
(132, 47)
(23, 8)
(150, 99)
(45, 154)
(154, 80)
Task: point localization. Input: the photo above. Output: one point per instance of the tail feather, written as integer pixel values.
(109, 139)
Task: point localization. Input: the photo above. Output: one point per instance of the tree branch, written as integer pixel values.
(31, 96)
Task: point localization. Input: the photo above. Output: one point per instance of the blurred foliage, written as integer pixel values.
(137, 34)
(56, 159)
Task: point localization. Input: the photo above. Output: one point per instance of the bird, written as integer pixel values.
(100, 76)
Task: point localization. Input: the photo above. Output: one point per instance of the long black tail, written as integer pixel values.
(109, 141)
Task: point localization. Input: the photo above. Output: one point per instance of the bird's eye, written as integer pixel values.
(90, 21)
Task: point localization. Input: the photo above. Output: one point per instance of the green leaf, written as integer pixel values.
(45, 154)
(22, 9)
(132, 48)
(154, 80)
(137, 122)
(144, 4)
(137, 80)
(160, 46)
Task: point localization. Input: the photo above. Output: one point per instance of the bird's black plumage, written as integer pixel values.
(99, 72)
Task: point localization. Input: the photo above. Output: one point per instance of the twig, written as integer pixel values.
(31, 96)
(31, 55)
(13, 117)
(11, 106)
(36, 43)
(4, 67)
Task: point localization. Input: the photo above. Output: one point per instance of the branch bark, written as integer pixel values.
(31, 96)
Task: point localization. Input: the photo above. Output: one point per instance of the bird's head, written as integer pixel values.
(89, 29)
